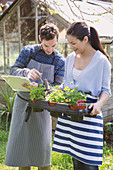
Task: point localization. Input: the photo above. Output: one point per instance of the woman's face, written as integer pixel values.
(75, 44)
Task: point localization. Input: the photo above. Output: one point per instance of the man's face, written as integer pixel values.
(49, 46)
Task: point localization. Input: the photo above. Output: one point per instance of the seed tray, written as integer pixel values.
(60, 108)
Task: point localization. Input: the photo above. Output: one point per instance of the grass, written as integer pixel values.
(59, 161)
(3, 142)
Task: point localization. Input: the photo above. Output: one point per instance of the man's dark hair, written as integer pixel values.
(49, 31)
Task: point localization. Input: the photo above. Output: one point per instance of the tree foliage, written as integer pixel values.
(78, 10)
(58, 7)
(3, 7)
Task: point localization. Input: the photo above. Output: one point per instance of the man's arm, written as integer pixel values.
(18, 70)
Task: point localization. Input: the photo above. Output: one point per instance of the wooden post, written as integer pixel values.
(36, 24)
(103, 45)
(4, 47)
(19, 28)
(65, 52)
(108, 49)
(8, 62)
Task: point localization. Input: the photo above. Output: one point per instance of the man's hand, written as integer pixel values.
(34, 84)
(34, 74)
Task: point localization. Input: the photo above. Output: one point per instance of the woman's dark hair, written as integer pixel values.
(49, 31)
(80, 30)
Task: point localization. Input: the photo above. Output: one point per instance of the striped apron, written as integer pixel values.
(83, 140)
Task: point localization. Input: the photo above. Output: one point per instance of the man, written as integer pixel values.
(29, 143)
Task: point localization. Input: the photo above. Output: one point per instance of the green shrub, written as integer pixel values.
(9, 96)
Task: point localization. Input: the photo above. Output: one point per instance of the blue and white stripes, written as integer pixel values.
(82, 140)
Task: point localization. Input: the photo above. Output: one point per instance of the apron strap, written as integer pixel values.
(33, 57)
(54, 56)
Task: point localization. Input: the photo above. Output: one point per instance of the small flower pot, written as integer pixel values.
(77, 107)
(34, 100)
(51, 103)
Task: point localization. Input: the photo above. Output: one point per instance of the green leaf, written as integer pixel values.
(9, 96)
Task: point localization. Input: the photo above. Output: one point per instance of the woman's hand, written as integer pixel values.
(98, 105)
(96, 108)
(34, 74)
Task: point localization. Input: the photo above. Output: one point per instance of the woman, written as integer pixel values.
(89, 69)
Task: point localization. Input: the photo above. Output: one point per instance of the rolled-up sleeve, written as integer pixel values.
(19, 67)
(106, 80)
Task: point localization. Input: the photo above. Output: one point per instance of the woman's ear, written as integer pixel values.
(40, 38)
(85, 39)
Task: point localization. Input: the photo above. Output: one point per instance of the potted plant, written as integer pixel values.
(37, 93)
(74, 98)
(71, 97)
(56, 96)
